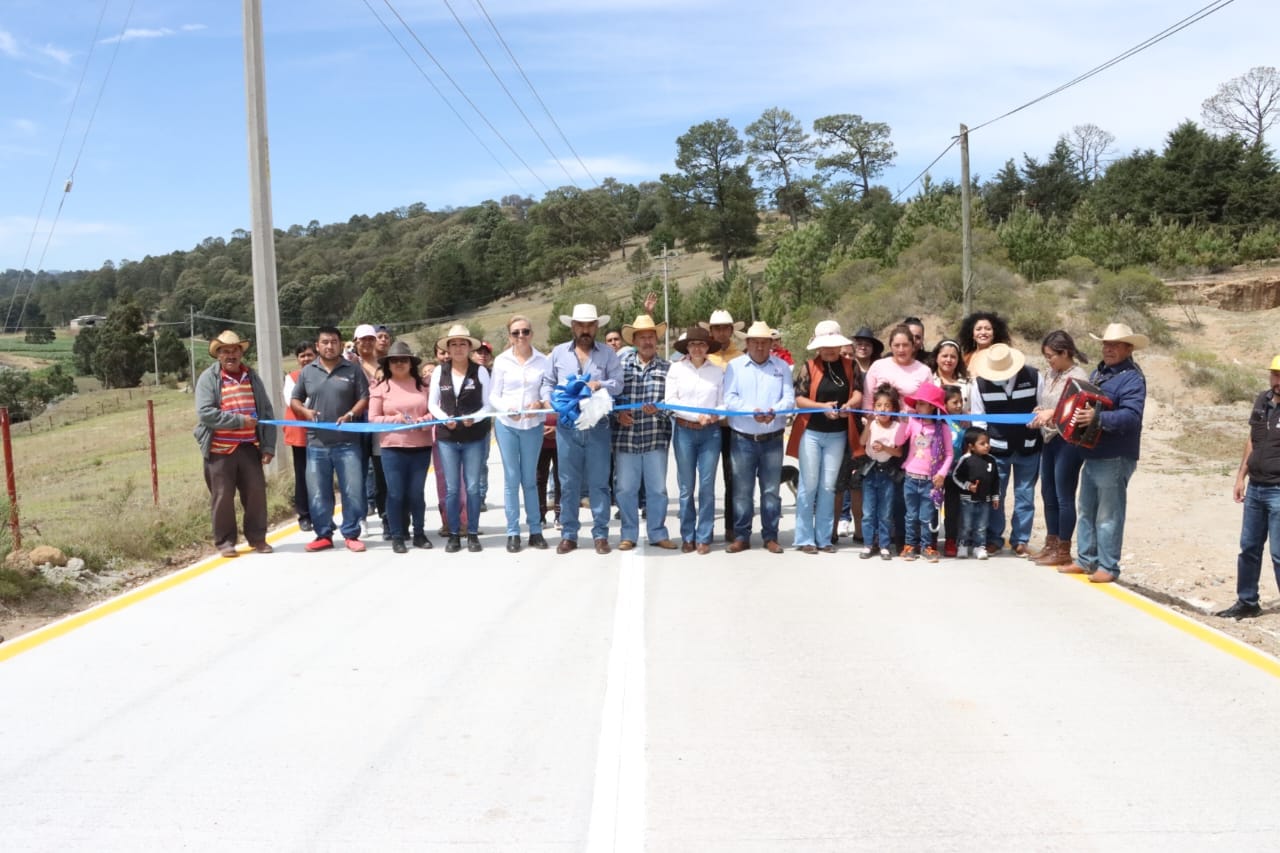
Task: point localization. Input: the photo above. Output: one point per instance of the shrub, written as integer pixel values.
(1229, 383)
(1260, 245)
(1078, 269)
(1036, 316)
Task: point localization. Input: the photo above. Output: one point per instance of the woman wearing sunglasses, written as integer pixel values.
(517, 382)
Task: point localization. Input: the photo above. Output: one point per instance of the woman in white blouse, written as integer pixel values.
(517, 380)
(695, 381)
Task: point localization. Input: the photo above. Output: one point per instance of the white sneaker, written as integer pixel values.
(846, 528)
(962, 552)
(980, 552)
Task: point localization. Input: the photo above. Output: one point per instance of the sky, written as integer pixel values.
(144, 105)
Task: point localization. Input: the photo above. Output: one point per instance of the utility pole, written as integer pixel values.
(191, 348)
(155, 354)
(266, 306)
(966, 225)
(666, 304)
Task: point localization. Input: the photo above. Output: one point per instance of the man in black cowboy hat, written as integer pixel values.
(230, 402)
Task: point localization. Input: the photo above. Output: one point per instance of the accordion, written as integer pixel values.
(1076, 395)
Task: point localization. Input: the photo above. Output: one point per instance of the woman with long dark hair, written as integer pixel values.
(401, 398)
(1059, 461)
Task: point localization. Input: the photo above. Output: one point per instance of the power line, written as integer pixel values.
(84, 140)
(1176, 27)
(66, 129)
(533, 90)
(464, 95)
(447, 102)
(512, 97)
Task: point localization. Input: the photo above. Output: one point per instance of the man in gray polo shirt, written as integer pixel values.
(333, 390)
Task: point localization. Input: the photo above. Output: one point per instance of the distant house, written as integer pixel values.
(88, 321)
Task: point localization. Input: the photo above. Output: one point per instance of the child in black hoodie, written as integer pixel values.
(979, 483)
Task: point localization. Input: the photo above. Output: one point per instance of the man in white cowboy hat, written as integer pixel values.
(1004, 384)
(230, 402)
(333, 390)
(583, 454)
(725, 331)
(1258, 488)
(642, 437)
(759, 383)
(1104, 479)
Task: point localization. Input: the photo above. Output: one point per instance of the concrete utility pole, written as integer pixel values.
(666, 302)
(966, 225)
(266, 306)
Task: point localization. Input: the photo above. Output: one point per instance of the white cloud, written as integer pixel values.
(192, 28)
(131, 34)
(9, 45)
(24, 126)
(57, 54)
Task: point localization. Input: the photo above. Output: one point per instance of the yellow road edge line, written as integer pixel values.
(1222, 642)
(40, 636)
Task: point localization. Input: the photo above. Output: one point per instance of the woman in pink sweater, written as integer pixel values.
(401, 398)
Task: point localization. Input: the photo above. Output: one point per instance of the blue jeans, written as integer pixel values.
(633, 472)
(820, 456)
(583, 459)
(1026, 470)
(520, 449)
(756, 461)
(1104, 487)
(406, 471)
(1261, 520)
(696, 453)
(462, 461)
(877, 509)
(347, 461)
(919, 520)
(973, 522)
(1059, 476)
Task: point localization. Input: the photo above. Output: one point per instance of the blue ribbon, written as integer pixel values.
(568, 404)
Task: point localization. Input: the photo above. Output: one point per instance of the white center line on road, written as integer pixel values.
(618, 803)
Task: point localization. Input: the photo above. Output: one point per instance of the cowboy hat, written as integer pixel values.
(227, 338)
(1120, 333)
(721, 317)
(928, 392)
(399, 349)
(760, 329)
(457, 330)
(827, 334)
(697, 333)
(877, 345)
(997, 362)
(584, 312)
(643, 323)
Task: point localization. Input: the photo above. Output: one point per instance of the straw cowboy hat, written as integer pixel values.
(697, 333)
(1120, 333)
(722, 317)
(643, 323)
(227, 338)
(930, 393)
(760, 329)
(827, 334)
(399, 349)
(584, 312)
(997, 362)
(457, 330)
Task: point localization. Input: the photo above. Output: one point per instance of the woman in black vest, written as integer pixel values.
(459, 392)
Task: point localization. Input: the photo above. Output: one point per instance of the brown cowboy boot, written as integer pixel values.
(1060, 556)
(1050, 545)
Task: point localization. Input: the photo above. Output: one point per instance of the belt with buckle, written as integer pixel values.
(759, 439)
(690, 424)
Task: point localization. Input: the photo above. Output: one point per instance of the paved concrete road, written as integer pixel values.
(659, 702)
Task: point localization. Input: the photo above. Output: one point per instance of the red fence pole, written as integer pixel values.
(151, 434)
(10, 480)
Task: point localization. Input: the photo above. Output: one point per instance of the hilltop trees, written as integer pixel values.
(779, 149)
(712, 201)
(1247, 105)
(856, 146)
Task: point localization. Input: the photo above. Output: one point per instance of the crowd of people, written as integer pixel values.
(912, 453)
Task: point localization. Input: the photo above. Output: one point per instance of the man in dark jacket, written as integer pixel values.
(1104, 480)
(230, 402)
(1261, 499)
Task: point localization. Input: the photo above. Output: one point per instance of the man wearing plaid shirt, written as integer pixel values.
(641, 436)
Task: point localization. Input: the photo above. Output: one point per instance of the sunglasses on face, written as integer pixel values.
(398, 360)
(521, 333)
